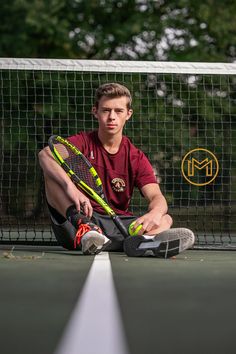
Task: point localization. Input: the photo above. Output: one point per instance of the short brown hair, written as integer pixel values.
(112, 90)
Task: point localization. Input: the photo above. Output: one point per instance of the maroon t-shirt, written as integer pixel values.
(119, 172)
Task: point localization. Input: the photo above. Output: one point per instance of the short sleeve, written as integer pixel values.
(145, 172)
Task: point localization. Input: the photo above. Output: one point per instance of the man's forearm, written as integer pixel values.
(158, 205)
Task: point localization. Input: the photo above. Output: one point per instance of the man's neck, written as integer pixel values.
(110, 143)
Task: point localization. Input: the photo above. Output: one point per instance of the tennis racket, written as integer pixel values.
(82, 174)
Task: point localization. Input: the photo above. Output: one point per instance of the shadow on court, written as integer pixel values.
(185, 305)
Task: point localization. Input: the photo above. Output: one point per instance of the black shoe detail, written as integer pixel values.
(165, 249)
(131, 245)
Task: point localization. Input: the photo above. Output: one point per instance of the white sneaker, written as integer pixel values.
(167, 244)
(90, 238)
(93, 242)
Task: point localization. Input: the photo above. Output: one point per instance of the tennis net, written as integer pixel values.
(178, 108)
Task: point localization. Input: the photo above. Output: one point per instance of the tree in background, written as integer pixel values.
(182, 30)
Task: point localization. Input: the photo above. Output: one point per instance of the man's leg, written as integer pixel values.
(72, 229)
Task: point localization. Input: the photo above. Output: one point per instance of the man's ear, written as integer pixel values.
(130, 112)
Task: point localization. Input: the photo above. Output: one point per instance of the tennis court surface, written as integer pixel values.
(56, 301)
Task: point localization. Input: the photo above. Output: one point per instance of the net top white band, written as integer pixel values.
(118, 66)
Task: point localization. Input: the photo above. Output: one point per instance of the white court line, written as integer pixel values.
(95, 326)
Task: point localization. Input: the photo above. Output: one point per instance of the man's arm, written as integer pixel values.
(52, 170)
(157, 208)
(157, 201)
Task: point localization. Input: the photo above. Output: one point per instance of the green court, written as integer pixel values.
(181, 305)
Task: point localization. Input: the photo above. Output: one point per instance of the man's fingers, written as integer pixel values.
(77, 205)
(137, 223)
(87, 208)
(147, 225)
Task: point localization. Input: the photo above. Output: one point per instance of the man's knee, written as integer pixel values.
(168, 219)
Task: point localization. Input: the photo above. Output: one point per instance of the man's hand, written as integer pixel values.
(149, 221)
(80, 201)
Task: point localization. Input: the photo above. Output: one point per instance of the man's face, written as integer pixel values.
(112, 114)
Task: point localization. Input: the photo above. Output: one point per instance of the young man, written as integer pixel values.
(78, 221)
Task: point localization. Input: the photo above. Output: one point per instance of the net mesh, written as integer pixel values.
(177, 108)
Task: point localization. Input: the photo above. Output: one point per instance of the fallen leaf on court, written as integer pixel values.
(10, 255)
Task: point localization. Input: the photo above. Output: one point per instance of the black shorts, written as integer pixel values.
(65, 232)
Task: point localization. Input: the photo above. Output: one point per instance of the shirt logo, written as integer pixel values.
(118, 185)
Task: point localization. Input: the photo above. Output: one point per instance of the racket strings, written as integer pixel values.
(79, 166)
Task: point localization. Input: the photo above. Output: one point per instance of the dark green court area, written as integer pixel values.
(182, 305)
(186, 305)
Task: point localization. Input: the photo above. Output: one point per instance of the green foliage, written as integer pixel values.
(183, 30)
(35, 28)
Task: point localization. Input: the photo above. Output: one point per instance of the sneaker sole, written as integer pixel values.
(94, 244)
(93, 249)
(165, 245)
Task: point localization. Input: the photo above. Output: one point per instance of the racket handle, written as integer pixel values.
(117, 221)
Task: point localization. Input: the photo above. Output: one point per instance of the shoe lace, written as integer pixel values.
(82, 229)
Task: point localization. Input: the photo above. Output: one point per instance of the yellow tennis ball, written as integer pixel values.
(135, 232)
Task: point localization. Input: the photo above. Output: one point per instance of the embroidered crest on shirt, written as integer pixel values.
(91, 155)
(118, 185)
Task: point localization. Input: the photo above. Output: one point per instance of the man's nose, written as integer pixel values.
(112, 114)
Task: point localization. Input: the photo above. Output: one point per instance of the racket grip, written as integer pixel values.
(120, 226)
